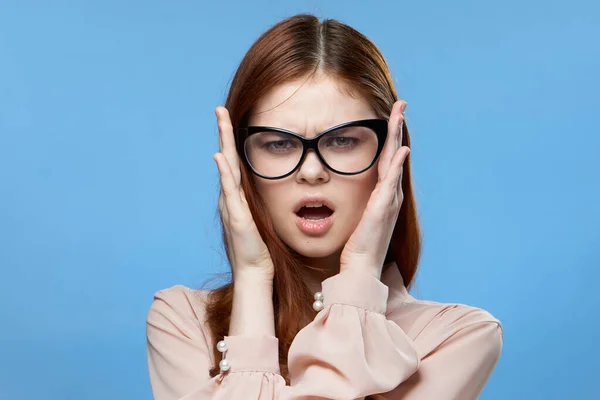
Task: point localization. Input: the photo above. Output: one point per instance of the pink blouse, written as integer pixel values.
(372, 340)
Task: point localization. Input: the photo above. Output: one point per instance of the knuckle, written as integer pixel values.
(261, 258)
(379, 214)
(238, 223)
(226, 193)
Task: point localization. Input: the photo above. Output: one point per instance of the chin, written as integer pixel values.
(314, 247)
(321, 246)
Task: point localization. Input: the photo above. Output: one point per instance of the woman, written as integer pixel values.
(322, 236)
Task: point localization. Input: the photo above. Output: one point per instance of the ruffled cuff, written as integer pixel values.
(252, 353)
(356, 288)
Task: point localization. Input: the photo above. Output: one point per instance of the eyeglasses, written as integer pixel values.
(347, 149)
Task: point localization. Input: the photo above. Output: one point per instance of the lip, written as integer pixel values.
(315, 227)
(313, 199)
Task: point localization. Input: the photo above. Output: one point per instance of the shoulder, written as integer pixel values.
(431, 324)
(178, 306)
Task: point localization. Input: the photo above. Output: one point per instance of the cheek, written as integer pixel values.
(364, 186)
(354, 196)
(274, 196)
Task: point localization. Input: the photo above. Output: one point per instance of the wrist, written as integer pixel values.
(373, 271)
(252, 311)
(244, 278)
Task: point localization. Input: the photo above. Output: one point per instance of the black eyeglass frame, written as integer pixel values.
(379, 126)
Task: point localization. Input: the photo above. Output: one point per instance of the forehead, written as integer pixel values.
(309, 106)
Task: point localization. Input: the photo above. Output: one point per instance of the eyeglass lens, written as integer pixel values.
(348, 150)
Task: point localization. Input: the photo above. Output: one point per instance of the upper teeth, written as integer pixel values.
(313, 205)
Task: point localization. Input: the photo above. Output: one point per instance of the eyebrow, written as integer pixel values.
(303, 134)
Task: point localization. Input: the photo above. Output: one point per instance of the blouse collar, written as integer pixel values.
(398, 293)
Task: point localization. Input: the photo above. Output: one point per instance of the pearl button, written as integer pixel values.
(319, 296)
(224, 365)
(318, 305)
(222, 346)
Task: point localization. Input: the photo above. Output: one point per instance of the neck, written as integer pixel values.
(321, 269)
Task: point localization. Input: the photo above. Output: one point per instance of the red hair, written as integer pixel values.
(295, 48)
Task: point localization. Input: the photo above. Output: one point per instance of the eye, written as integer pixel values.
(279, 145)
(342, 141)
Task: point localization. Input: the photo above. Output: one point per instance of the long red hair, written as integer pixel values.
(294, 48)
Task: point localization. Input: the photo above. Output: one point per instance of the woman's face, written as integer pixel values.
(313, 107)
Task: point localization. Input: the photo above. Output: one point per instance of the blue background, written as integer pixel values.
(108, 189)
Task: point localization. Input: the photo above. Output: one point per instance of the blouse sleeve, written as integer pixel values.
(349, 351)
(460, 366)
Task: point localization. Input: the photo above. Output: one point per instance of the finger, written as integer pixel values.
(391, 143)
(402, 122)
(399, 192)
(220, 138)
(228, 184)
(400, 132)
(384, 193)
(243, 197)
(228, 141)
(392, 180)
(223, 207)
(227, 231)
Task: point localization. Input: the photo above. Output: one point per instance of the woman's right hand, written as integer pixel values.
(247, 252)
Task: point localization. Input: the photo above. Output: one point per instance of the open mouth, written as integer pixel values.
(315, 212)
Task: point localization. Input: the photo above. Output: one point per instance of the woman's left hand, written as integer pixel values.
(367, 247)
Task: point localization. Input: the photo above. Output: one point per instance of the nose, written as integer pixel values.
(312, 170)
